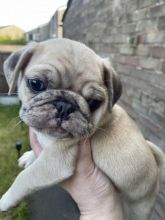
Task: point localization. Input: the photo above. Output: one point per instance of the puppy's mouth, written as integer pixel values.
(58, 115)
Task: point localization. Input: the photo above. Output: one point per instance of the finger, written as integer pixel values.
(85, 150)
(31, 136)
(35, 145)
(84, 160)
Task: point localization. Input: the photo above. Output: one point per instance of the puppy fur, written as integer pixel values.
(74, 73)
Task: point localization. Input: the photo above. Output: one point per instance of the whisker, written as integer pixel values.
(17, 124)
(102, 129)
(85, 136)
(86, 139)
(12, 120)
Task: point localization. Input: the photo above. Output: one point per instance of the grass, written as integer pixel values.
(9, 134)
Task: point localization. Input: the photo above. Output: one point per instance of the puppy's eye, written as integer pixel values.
(37, 85)
(94, 104)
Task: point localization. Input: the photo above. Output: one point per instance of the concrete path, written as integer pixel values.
(52, 204)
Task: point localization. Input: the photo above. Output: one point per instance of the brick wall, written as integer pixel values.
(132, 34)
(3, 84)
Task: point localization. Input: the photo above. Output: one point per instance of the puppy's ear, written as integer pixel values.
(112, 82)
(17, 62)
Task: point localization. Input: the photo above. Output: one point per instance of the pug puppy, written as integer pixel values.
(68, 93)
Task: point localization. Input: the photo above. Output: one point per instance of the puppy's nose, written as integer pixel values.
(64, 109)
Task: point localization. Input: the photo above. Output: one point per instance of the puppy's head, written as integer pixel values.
(65, 88)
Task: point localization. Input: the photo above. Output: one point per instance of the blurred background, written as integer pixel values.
(131, 33)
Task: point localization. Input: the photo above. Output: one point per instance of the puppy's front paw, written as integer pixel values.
(6, 203)
(26, 159)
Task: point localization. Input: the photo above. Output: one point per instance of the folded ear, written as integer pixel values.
(112, 82)
(16, 63)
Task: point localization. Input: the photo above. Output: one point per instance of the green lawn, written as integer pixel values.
(10, 132)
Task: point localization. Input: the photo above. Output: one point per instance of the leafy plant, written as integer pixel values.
(17, 41)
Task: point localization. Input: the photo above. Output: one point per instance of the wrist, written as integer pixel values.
(108, 216)
(107, 210)
(97, 217)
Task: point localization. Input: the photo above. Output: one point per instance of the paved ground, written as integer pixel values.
(52, 204)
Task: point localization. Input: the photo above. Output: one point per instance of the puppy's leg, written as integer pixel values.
(26, 159)
(48, 169)
(142, 210)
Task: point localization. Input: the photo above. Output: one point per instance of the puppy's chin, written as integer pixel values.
(71, 129)
(42, 119)
(55, 133)
(42, 113)
(75, 127)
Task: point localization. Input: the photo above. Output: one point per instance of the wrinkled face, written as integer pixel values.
(62, 113)
(61, 102)
(63, 90)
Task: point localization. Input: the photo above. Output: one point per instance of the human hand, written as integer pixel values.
(92, 190)
(34, 143)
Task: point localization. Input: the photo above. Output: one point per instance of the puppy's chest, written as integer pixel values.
(45, 141)
(52, 145)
